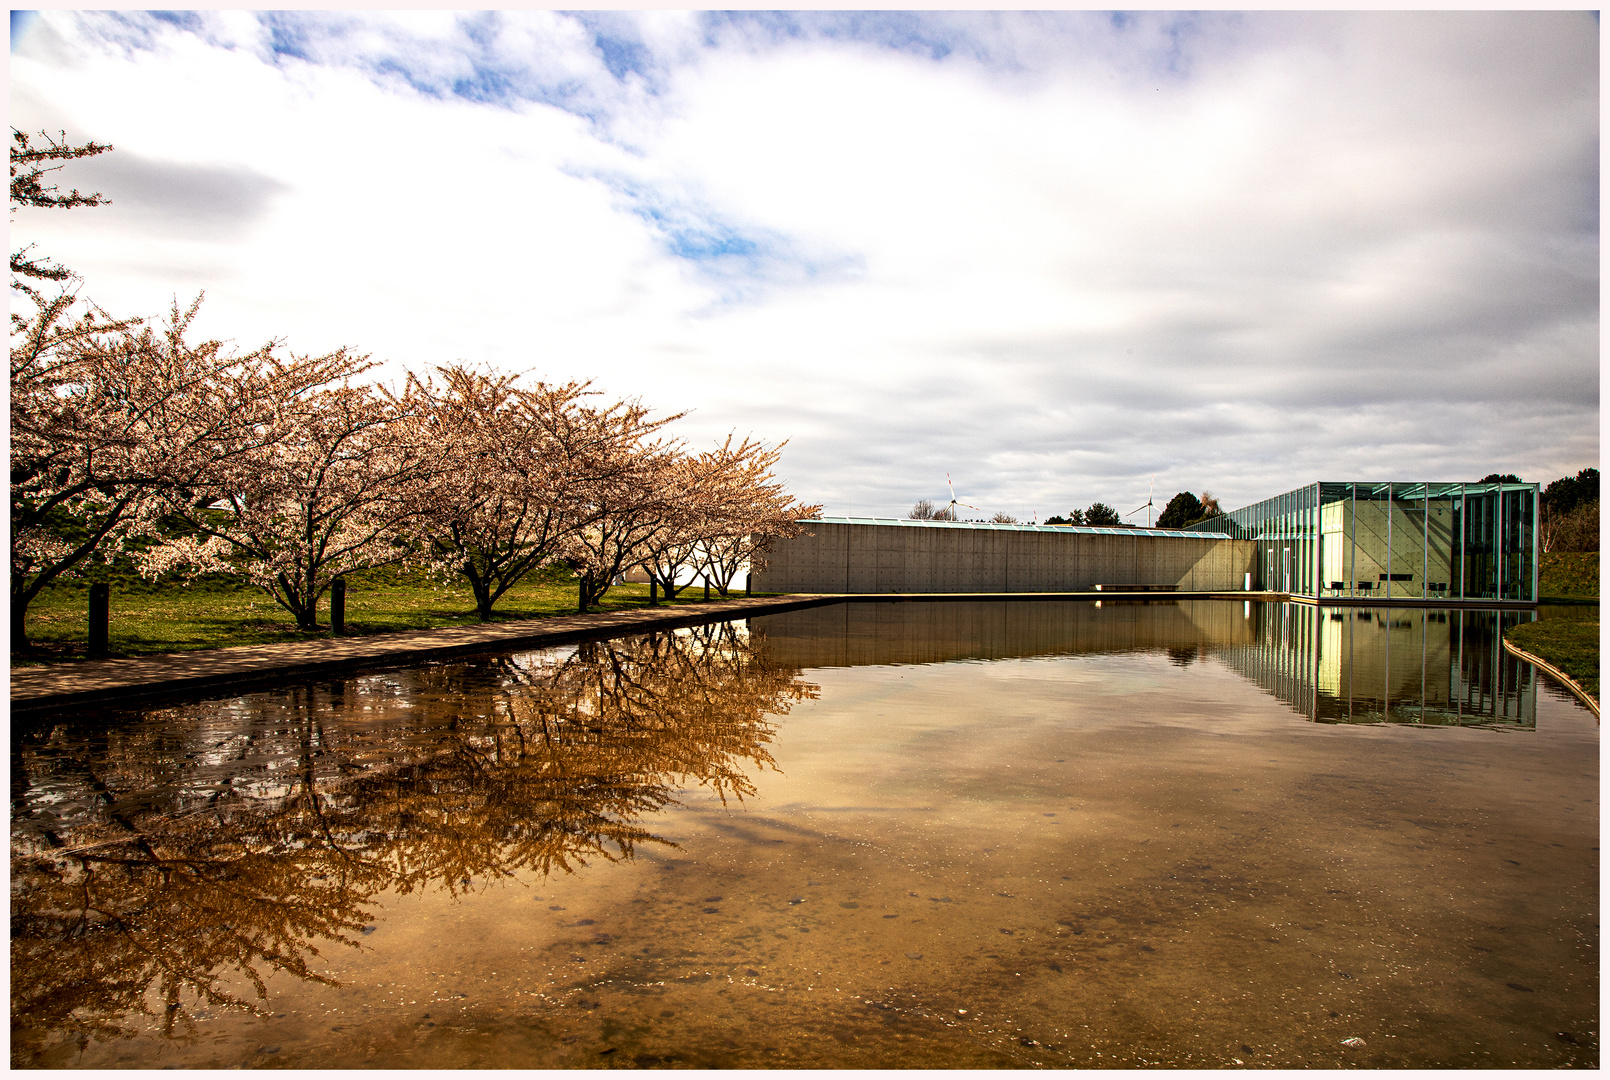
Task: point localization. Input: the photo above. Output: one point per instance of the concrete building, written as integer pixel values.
(894, 555)
(1327, 541)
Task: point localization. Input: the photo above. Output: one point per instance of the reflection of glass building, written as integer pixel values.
(1404, 664)
(1392, 665)
(1413, 541)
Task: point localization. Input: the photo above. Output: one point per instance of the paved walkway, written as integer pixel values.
(54, 686)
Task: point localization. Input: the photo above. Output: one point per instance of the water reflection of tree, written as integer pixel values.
(149, 876)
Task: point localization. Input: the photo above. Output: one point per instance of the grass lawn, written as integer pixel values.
(1568, 638)
(163, 618)
(1568, 574)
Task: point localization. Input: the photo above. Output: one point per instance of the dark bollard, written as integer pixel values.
(653, 593)
(707, 588)
(338, 606)
(100, 618)
(749, 580)
(581, 596)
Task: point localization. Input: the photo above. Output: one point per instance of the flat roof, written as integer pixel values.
(1332, 491)
(1088, 530)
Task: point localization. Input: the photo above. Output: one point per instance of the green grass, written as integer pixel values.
(1568, 641)
(168, 617)
(1568, 574)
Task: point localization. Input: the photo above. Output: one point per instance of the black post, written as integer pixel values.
(100, 618)
(338, 606)
(653, 593)
(749, 580)
(707, 587)
(581, 594)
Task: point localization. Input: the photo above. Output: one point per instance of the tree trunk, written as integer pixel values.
(21, 599)
(483, 598)
(591, 591)
(305, 614)
(19, 624)
(100, 617)
(338, 606)
(303, 604)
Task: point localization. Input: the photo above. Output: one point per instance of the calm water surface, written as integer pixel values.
(871, 835)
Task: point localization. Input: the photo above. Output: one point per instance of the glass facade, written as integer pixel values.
(1393, 541)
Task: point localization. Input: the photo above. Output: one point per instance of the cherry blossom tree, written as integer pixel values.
(328, 496)
(632, 499)
(688, 521)
(63, 502)
(727, 511)
(722, 510)
(29, 167)
(749, 510)
(520, 466)
(106, 416)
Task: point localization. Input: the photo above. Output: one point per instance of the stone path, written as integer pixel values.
(55, 686)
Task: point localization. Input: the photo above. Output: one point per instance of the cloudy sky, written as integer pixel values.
(1051, 254)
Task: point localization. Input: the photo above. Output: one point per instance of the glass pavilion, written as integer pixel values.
(1392, 541)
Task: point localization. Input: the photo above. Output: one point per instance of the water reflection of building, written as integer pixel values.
(1355, 665)
(1414, 541)
(923, 632)
(1395, 665)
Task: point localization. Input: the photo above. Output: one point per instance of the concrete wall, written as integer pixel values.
(855, 558)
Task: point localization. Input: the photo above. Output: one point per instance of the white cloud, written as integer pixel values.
(1051, 255)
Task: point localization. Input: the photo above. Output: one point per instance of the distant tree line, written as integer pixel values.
(1568, 513)
(928, 510)
(131, 438)
(1097, 514)
(1182, 510)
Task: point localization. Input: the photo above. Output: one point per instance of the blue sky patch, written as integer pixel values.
(901, 31)
(286, 36)
(740, 262)
(622, 57)
(20, 22)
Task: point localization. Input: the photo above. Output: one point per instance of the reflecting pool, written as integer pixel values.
(868, 835)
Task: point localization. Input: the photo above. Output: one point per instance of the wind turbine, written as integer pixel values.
(1147, 507)
(950, 509)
